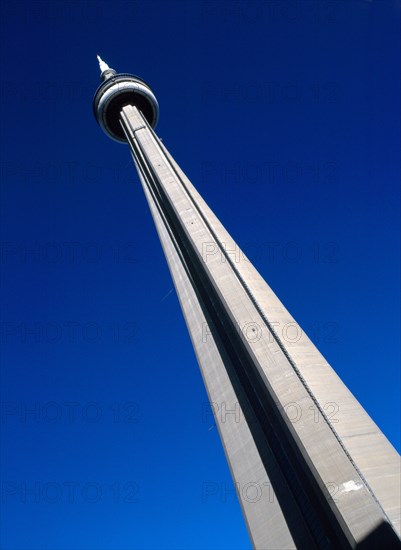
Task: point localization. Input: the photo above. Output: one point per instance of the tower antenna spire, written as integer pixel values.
(105, 71)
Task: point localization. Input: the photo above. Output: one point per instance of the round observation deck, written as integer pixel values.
(118, 91)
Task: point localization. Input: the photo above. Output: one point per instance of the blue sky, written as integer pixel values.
(285, 115)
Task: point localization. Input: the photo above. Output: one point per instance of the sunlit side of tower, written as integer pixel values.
(311, 468)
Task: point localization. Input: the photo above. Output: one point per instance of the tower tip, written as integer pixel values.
(105, 71)
(102, 65)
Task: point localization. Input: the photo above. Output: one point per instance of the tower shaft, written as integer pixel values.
(311, 468)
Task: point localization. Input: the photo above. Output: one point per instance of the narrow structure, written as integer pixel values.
(311, 468)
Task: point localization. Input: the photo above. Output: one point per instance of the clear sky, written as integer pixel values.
(285, 115)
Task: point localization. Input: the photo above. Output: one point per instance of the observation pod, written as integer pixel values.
(117, 91)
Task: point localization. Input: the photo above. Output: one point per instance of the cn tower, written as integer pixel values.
(333, 477)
